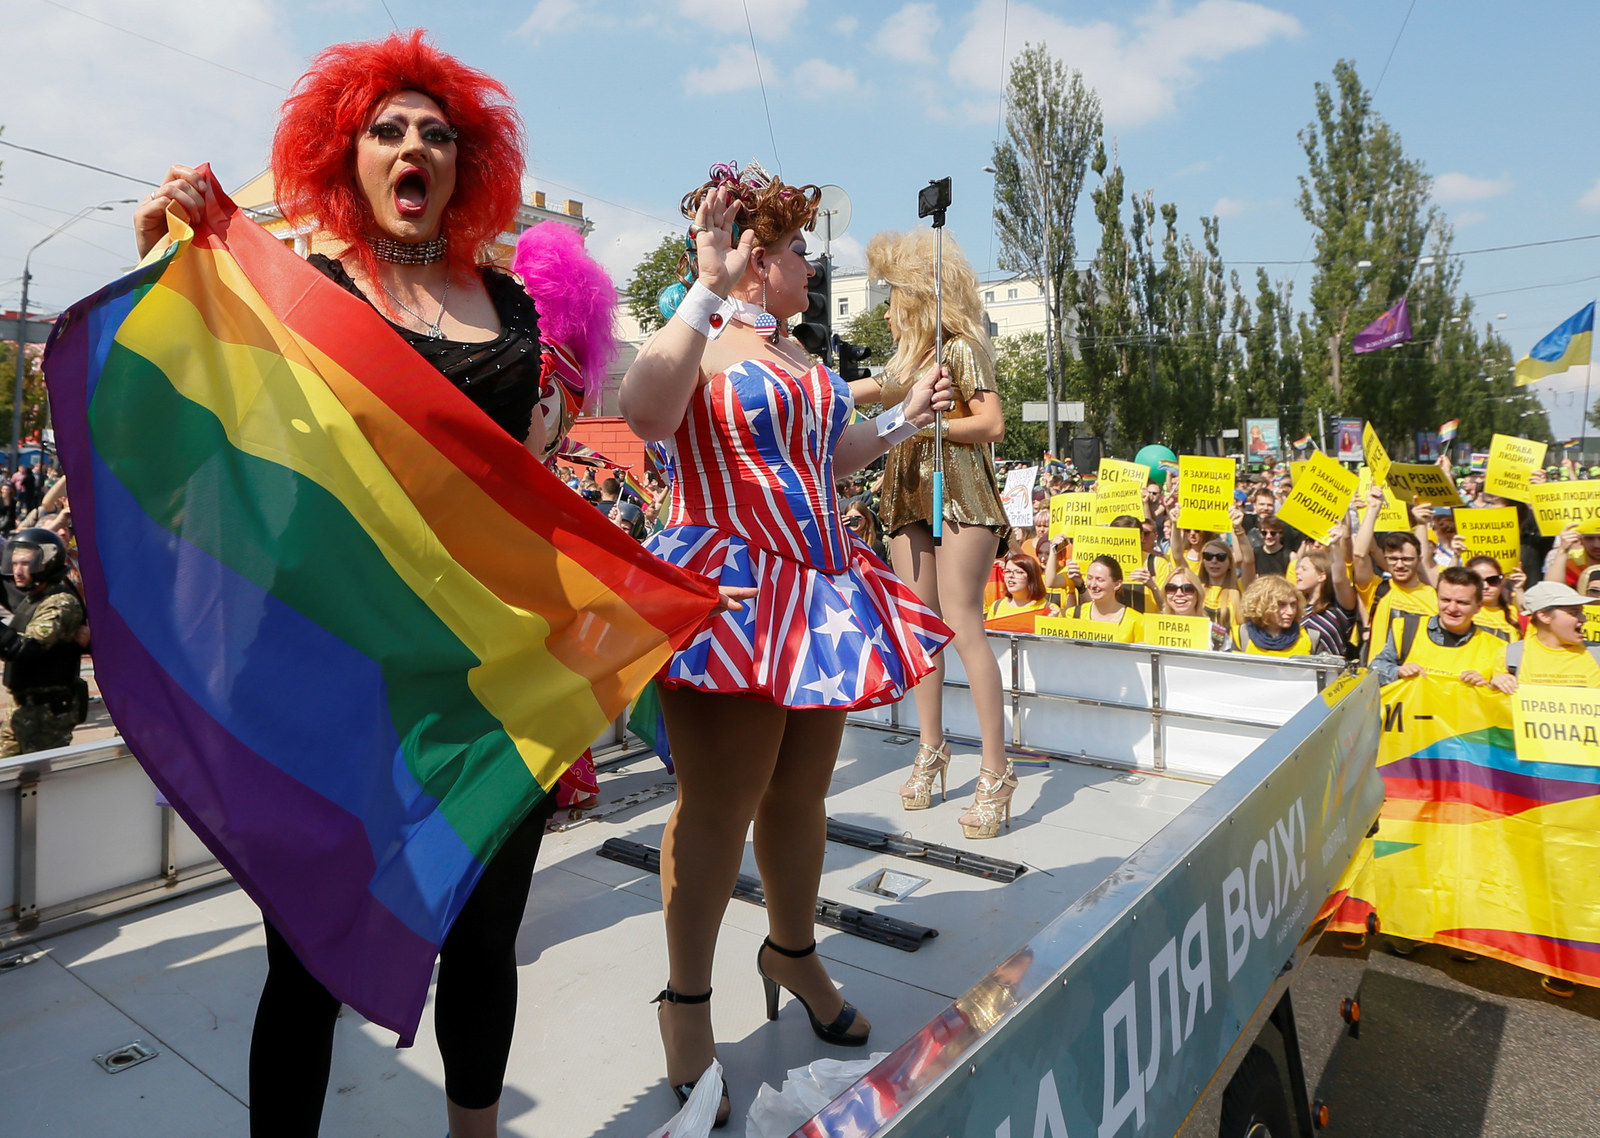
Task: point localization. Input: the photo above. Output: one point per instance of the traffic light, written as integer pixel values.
(852, 359)
(816, 322)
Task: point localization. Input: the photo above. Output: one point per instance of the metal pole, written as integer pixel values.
(1322, 431)
(22, 346)
(938, 360)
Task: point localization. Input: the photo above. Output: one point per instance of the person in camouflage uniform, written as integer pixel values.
(42, 647)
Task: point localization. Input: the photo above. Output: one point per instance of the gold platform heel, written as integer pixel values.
(991, 807)
(917, 792)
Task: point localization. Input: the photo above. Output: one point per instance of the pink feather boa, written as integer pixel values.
(576, 300)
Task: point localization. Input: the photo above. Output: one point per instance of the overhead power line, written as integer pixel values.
(168, 46)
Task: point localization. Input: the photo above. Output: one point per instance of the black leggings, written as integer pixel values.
(474, 1011)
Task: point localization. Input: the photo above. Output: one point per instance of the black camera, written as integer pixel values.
(934, 198)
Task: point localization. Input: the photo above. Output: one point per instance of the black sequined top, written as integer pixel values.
(500, 375)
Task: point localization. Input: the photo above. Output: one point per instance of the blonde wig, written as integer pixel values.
(904, 261)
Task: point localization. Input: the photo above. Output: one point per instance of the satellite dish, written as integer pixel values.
(833, 212)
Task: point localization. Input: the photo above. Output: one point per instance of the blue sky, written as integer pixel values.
(627, 103)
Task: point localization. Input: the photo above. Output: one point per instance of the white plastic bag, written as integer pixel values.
(778, 1114)
(698, 1114)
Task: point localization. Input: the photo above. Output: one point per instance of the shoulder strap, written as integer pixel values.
(1410, 622)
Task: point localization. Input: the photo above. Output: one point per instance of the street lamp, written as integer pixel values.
(22, 320)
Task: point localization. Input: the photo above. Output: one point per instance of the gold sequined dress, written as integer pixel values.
(971, 491)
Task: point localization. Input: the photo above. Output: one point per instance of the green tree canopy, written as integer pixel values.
(658, 270)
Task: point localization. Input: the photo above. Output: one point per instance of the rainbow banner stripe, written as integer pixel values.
(353, 631)
(1477, 848)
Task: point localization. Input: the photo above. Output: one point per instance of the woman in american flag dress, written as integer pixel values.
(755, 706)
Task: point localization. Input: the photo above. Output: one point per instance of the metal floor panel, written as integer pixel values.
(587, 1059)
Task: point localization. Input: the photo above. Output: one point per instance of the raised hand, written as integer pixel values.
(184, 188)
(720, 259)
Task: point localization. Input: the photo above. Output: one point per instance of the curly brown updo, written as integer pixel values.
(772, 208)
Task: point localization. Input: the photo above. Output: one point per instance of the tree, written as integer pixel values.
(1104, 306)
(870, 329)
(1052, 128)
(658, 270)
(1369, 204)
(1019, 374)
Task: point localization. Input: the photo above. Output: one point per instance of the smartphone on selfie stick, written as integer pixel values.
(932, 201)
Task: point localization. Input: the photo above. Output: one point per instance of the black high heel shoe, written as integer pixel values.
(684, 1090)
(827, 1032)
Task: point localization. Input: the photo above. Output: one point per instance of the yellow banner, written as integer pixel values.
(1172, 631)
(1422, 482)
(1495, 533)
(1069, 513)
(1557, 725)
(1076, 628)
(1113, 500)
(1205, 492)
(1319, 498)
(1377, 458)
(1511, 460)
(1393, 516)
(1559, 504)
(1115, 470)
(1120, 542)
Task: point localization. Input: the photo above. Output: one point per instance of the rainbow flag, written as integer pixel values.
(353, 631)
(632, 483)
(1302, 442)
(1564, 352)
(1447, 432)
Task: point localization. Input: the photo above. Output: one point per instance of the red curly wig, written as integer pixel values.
(313, 151)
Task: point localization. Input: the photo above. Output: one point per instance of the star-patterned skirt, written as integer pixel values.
(808, 639)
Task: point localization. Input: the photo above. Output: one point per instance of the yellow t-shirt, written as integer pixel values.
(1495, 618)
(1416, 597)
(1564, 667)
(1130, 625)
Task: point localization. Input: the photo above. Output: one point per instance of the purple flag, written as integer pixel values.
(1393, 327)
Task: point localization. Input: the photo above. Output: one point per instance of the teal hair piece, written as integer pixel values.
(670, 297)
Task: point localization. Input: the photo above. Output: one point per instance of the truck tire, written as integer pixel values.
(1254, 1105)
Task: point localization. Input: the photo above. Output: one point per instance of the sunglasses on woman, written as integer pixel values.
(1180, 587)
(1214, 556)
(1494, 578)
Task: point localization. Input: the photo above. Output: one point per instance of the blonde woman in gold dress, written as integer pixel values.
(948, 577)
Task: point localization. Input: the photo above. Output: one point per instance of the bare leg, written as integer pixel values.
(790, 837)
(466, 1123)
(911, 552)
(725, 750)
(965, 556)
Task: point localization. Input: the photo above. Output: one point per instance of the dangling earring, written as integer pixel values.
(766, 323)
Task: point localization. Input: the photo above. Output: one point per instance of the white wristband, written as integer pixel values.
(893, 427)
(705, 311)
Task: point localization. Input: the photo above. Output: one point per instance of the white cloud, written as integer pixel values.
(1230, 207)
(847, 251)
(1199, 167)
(846, 25)
(908, 34)
(769, 19)
(1138, 73)
(549, 17)
(819, 77)
(1469, 217)
(1466, 188)
(1591, 198)
(734, 70)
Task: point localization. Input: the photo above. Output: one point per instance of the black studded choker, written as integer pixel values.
(408, 253)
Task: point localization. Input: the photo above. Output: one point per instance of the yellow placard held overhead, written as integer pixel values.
(1115, 470)
(1560, 504)
(1076, 628)
(1511, 460)
(1494, 533)
(1377, 458)
(1070, 513)
(1557, 725)
(1113, 500)
(1422, 482)
(1294, 471)
(1393, 516)
(1120, 542)
(1168, 630)
(1205, 492)
(1320, 497)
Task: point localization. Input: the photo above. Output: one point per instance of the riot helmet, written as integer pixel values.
(45, 552)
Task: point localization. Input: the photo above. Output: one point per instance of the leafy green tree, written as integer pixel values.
(1019, 374)
(1053, 127)
(1104, 305)
(658, 270)
(870, 328)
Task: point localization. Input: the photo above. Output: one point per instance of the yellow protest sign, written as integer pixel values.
(1076, 628)
(1591, 624)
(1294, 471)
(1377, 458)
(1115, 470)
(1113, 500)
(1494, 533)
(1559, 504)
(1168, 630)
(1393, 516)
(1557, 725)
(1120, 542)
(1205, 492)
(1422, 482)
(1511, 460)
(1319, 498)
(1069, 513)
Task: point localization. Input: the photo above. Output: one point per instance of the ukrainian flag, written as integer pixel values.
(1564, 351)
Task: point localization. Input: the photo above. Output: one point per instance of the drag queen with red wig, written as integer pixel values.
(410, 164)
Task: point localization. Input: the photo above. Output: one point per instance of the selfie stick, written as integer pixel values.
(938, 359)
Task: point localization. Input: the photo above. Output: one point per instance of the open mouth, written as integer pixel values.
(411, 194)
